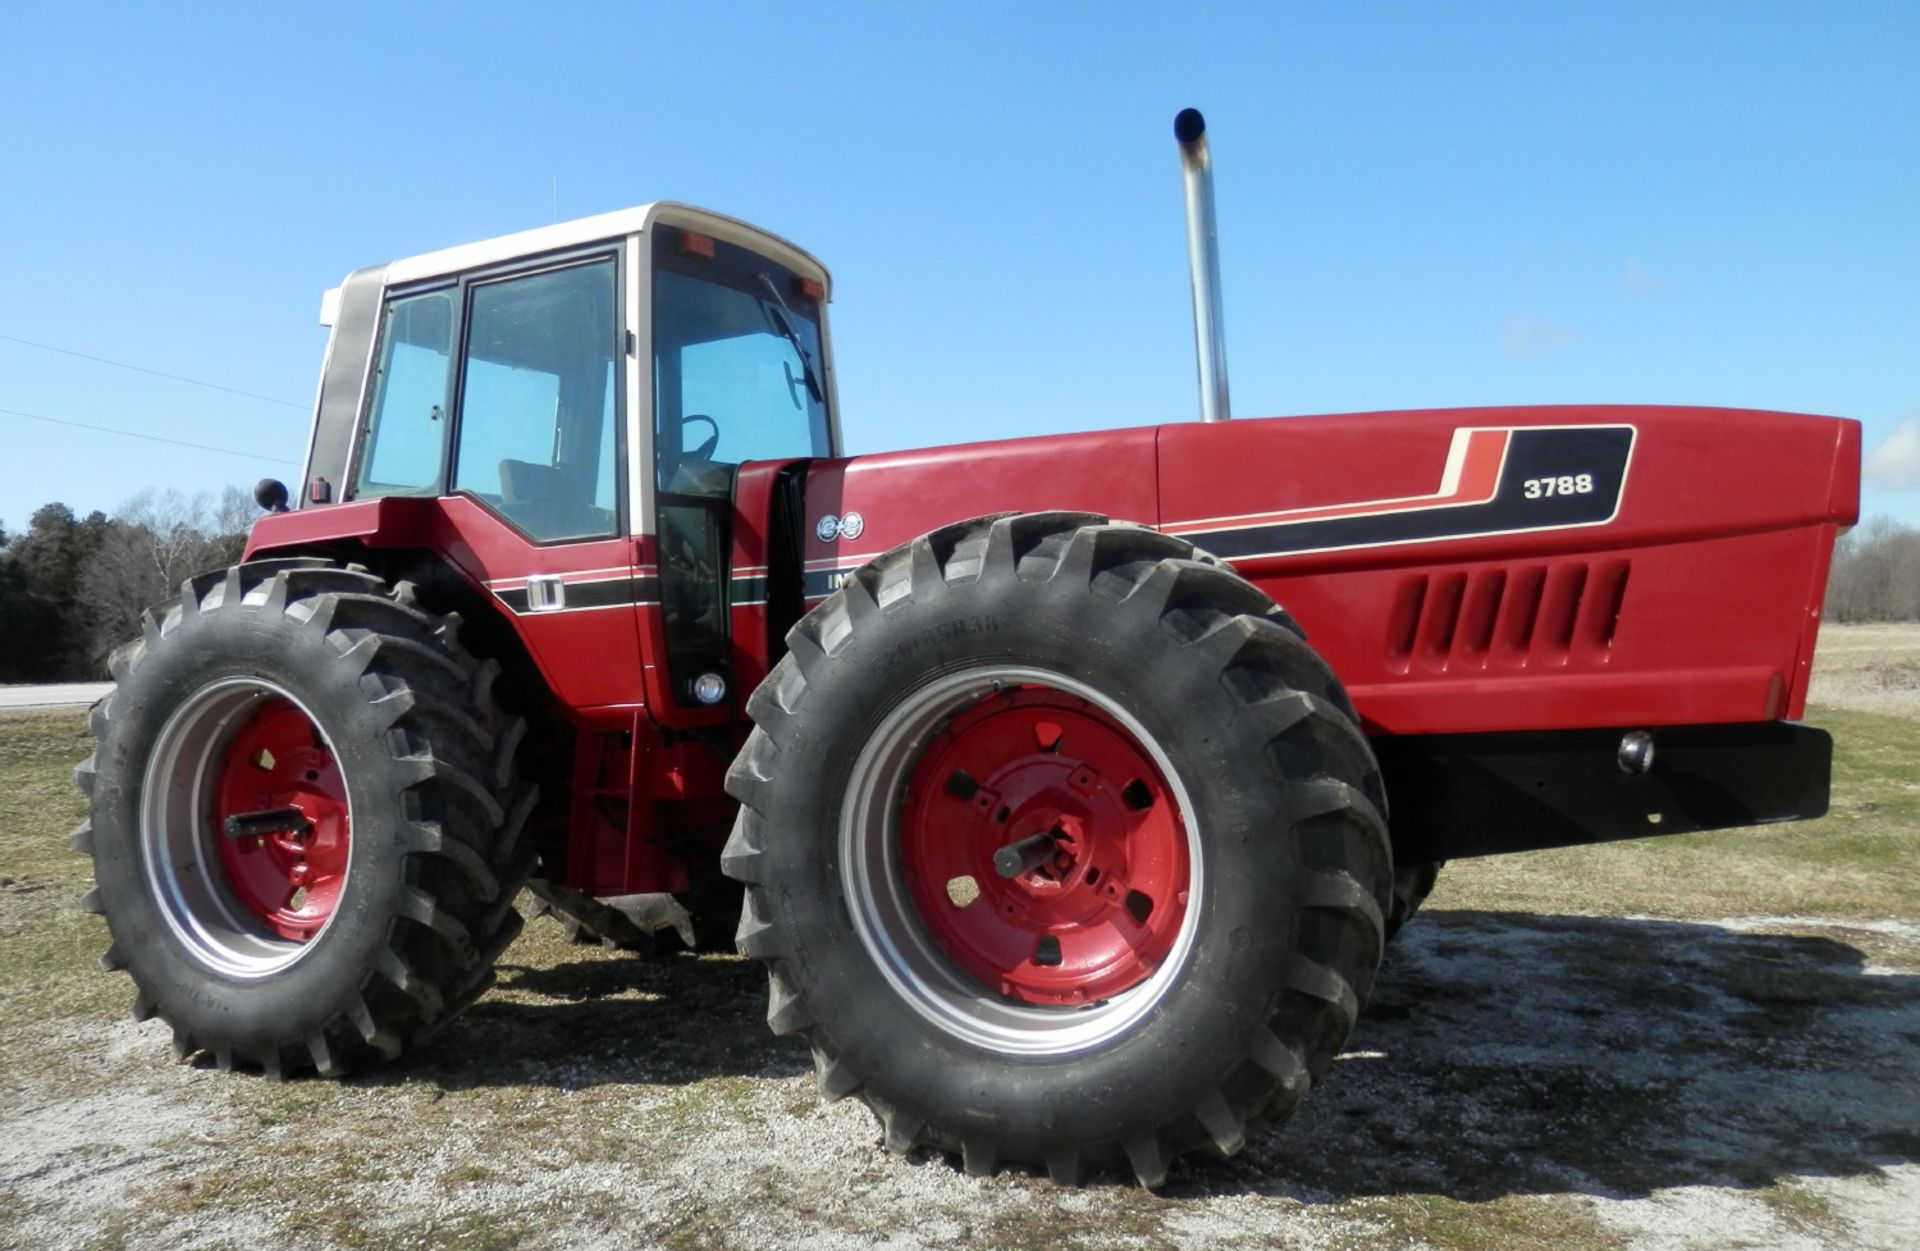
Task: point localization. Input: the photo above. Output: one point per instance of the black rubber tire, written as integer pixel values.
(1412, 883)
(427, 756)
(1290, 815)
(716, 903)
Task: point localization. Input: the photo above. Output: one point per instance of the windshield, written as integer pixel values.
(737, 368)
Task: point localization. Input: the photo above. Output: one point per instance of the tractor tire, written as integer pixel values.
(1062, 849)
(304, 818)
(1412, 883)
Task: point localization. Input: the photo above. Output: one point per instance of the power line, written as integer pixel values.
(142, 369)
(151, 438)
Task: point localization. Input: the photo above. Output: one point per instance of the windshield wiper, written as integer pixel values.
(781, 316)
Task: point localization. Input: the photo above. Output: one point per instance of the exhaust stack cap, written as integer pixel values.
(1203, 260)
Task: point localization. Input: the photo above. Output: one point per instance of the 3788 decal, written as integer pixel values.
(1565, 484)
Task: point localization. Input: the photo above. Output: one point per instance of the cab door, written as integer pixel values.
(537, 475)
(520, 433)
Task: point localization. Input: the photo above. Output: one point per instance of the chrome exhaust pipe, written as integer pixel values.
(1203, 259)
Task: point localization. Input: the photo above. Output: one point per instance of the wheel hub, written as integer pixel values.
(1042, 849)
(286, 870)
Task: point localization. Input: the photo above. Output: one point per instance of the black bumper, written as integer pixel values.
(1459, 795)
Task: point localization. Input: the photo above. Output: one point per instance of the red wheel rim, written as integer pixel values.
(289, 879)
(1101, 890)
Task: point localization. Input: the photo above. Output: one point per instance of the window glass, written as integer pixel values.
(730, 384)
(537, 409)
(406, 424)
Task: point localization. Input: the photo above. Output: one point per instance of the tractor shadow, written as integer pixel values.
(1502, 1054)
(608, 1017)
(1509, 1054)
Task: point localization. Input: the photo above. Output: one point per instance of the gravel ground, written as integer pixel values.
(1518, 1081)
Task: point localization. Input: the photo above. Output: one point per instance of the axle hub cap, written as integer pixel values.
(1090, 916)
(290, 878)
(1020, 859)
(245, 827)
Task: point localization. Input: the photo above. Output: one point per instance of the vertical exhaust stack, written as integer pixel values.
(1203, 258)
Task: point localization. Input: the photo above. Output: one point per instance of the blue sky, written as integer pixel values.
(1421, 205)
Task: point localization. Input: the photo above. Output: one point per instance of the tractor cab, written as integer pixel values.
(575, 402)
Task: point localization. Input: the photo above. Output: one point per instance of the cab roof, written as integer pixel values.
(586, 230)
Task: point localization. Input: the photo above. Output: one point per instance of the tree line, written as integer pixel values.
(1876, 573)
(72, 588)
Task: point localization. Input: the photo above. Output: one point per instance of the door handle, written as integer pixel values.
(546, 593)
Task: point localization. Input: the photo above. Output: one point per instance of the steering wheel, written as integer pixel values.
(705, 450)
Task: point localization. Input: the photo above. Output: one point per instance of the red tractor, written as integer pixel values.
(1064, 844)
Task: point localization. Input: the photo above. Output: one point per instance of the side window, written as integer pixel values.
(406, 420)
(538, 439)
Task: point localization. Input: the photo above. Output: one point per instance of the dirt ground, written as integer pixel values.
(1701, 1043)
(1875, 668)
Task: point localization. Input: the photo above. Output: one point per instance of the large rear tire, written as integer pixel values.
(1412, 883)
(1187, 911)
(304, 818)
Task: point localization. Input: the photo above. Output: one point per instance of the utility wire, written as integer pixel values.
(151, 438)
(142, 369)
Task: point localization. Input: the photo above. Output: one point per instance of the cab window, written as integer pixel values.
(737, 375)
(406, 432)
(538, 412)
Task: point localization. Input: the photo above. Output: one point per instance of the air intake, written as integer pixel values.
(1506, 617)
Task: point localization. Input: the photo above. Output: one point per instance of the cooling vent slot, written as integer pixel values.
(1507, 617)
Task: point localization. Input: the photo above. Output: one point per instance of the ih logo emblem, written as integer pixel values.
(830, 527)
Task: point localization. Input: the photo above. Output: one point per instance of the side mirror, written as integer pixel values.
(271, 495)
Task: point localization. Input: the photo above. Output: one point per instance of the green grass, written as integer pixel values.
(1860, 860)
(38, 804)
(49, 949)
(1511, 1223)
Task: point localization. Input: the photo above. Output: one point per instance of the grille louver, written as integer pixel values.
(1508, 617)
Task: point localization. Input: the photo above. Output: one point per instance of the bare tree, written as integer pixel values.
(1876, 574)
(158, 540)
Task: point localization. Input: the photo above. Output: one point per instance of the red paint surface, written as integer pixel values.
(1724, 530)
(587, 658)
(1697, 603)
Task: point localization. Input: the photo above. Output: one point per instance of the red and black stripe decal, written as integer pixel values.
(1500, 481)
(1495, 481)
(583, 594)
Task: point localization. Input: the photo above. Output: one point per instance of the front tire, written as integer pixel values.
(1166, 734)
(304, 818)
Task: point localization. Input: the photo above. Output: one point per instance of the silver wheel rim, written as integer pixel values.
(887, 920)
(177, 836)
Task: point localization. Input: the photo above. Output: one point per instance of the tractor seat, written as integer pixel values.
(549, 503)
